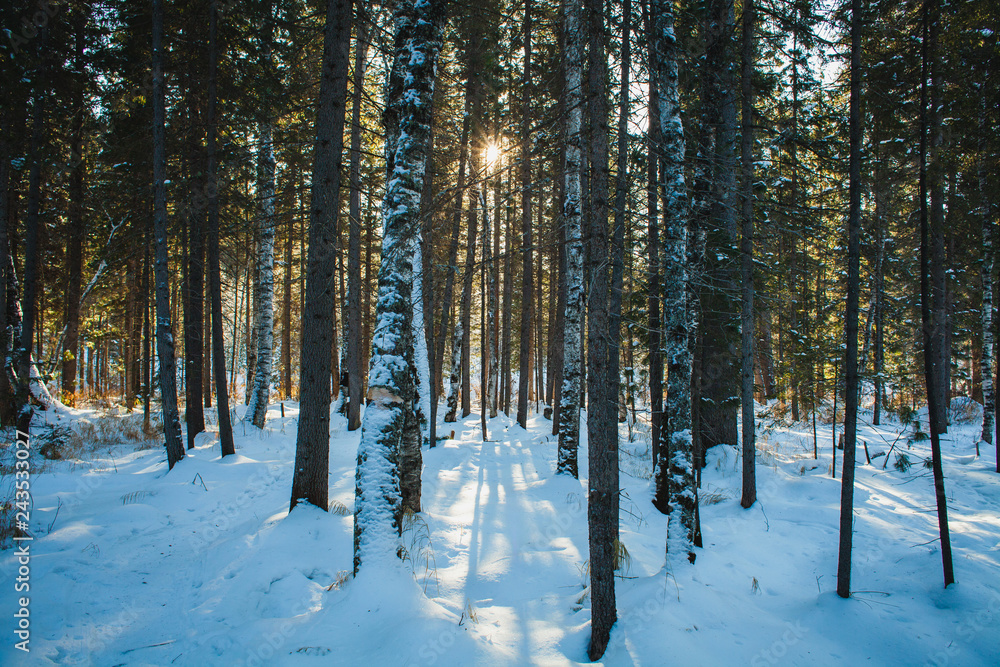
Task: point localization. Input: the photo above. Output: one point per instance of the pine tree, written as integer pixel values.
(164, 340)
(746, 261)
(929, 316)
(852, 383)
(227, 445)
(312, 445)
(354, 342)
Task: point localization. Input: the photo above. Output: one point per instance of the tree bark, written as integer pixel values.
(851, 386)
(164, 339)
(380, 495)
(746, 258)
(675, 464)
(194, 302)
(286, 307)
(986, 220)
(653, 154)
(77, 229)
(931, 325)
(570, 399)
(312, 446)
(356, 354)
(720, 386)
(602, 374)
(526, 350)
(215, 269)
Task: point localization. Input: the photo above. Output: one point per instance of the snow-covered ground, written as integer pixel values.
(205, 566)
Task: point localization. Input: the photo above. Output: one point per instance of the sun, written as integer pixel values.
(493, 154)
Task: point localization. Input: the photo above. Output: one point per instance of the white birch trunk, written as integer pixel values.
(569, 407)
(264, 299)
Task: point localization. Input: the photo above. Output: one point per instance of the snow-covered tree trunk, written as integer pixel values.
(569, 407)
(164, 339)
(264, 298)
(675, 465)
(312, 446)
(391, 388)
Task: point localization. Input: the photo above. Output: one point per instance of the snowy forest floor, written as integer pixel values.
(205, 566)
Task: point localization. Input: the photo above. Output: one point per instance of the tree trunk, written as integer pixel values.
(746, 259)
(602, 374)
(463, 331)
(851, 386)
(928, 315)
(355, 353)
(194, 307)
(455, 377)
(264, 298)
(312, 446)
(570, 400)
(8, 295)
(215, 269)
(147, 360)
(286, 308)
(490, 360)
(380, 495)
(526, 350)
(675, 464)
(654, 140)
(720, 386)
(986, 220)
(506, 306)
(939, 289)
(77, 230)
(164, 339)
